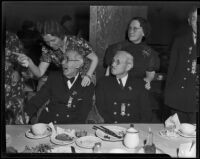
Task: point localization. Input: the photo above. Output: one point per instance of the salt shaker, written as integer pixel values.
(96, 148)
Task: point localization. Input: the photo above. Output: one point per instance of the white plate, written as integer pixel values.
(61, 142)
(87, 141)
(30, 135)
(118, 130)
(187, 136)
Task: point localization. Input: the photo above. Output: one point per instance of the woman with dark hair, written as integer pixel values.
(54, 36)
(146, 60)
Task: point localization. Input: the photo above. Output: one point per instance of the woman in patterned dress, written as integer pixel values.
(14, 81)
(53, 35)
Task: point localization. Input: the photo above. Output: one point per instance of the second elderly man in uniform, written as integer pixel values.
(120, 98)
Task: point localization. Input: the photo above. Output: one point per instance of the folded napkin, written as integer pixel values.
(187, 150)
(173, 122)
(59, 130)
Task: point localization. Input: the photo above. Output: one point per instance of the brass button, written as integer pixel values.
(184, 78)
(115, 103)
(115, 113)
(182, 87)
(188, 69)
(67, 116)
(57, 114)
(74, 106)
(188, 61)
(115, 122)
(128, 114)
(128, 104)
(55, 122)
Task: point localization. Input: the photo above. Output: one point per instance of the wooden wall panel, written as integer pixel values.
(108, 25)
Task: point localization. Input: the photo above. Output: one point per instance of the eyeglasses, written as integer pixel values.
(117, 62)
(134, 28)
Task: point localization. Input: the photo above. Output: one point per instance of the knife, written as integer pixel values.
(73, 149)
(108, 131)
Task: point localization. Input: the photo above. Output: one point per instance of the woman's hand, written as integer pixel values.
(86, 81)
(22, 59)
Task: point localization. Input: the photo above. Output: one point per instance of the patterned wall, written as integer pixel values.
(108, 25)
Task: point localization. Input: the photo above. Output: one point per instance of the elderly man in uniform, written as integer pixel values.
(180, 91)
(69, 101)
(120, 98)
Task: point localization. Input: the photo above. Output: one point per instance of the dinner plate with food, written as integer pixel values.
(38, 131)
(110, 132)
(87, 141)
(63, 138)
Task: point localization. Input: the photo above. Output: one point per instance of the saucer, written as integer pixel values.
(30, 135)
(186, 135)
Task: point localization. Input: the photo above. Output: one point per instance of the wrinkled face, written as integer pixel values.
(119, 65)
(53, 41)
(70, 64)
(193, 21)
(135, 32)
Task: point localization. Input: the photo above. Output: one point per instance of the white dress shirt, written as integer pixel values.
(69, 84)
(124, 79)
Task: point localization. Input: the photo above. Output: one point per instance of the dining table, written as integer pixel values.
(18, 139)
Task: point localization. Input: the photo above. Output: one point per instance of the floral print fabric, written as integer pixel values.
(14, 82)
(74, 43)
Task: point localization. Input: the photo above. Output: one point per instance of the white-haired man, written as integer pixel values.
(120, 98)
(69, 101)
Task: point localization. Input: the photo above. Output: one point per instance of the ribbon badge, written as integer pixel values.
(123, 109)
(194, 66)
(69, 104)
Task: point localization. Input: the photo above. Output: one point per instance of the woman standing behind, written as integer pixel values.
(53, 35)
(146, 59)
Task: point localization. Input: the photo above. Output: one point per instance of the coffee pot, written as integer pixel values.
(131, 138)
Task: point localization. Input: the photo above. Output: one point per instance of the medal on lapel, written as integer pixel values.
(194, 66)
(123, 109)
(69, 104)
(190, 49)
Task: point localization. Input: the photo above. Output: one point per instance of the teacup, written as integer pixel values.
(39, 128)
(188, 129)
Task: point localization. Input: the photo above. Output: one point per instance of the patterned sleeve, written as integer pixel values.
(79, 44)
(45, 55)
(153, 62)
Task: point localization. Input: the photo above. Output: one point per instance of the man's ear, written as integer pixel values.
(79, 63)
(129, 66)
(189, 22)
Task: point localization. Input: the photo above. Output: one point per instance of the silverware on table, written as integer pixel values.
(107, 131)
(193, 142)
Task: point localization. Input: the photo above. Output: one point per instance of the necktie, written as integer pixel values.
(70, 79)
(120, 83)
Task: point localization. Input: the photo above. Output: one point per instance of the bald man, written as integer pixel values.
(121, 98)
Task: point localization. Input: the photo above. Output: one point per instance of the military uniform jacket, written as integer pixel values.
(145, 58)
(123, 105)
(180, 91)
(66, 105)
